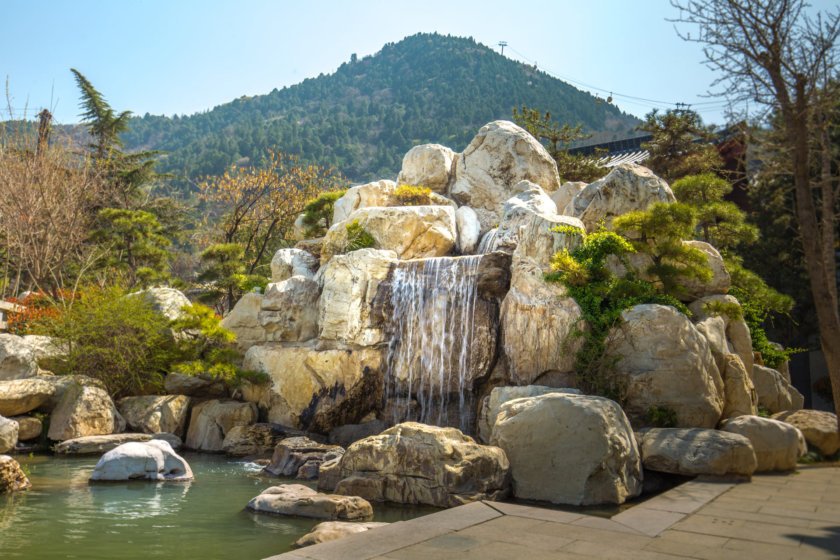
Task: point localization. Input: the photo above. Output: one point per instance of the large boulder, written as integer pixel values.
(292, 262)
(212, 420)
(740, 398)
(412, 232)
(20, 396)
(428, 165)
(289, 310)
(29, 427)
(9, 431)
(378, 193)
(243, 321)
(12, 477)
(469, 230)
(351, 433)
(738, 339)
(84, 410)
(332, 530)
(774, 390)
(569, 449)
(45, 347)
(169, 302)
(498, 158)
(414, 463)
(777, 444)
(301, 501)
(97, 445)
(153, 414)
(564, 195)
(17, 358)
(698, 451)
(195, 385)
(318, 385)
(520, 210)
(492, 404)
(626, 188)
(150, 460)
(666, 362)
(300, 457)
(254, 440)
(818, 427)
(350, 283)
(719, 283)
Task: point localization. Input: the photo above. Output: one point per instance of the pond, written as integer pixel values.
(62, 516)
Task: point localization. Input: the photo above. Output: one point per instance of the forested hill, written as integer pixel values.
(364, 117)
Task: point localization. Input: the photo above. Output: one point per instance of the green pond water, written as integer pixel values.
(62, 516)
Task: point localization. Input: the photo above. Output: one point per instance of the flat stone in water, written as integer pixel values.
(302, 501)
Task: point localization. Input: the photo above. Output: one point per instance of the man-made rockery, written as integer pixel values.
(777, 445)
(818, 427)
(300, 457)
(697, 451)
(301, 501)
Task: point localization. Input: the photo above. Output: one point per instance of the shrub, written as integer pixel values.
(358, 237)
(661, 417)
(415, 195)
(318, 213)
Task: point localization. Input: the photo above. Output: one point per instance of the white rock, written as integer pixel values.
(819, 428)
(332, 530)
(564, 195)
(493, 402)
(740, 397)
(719, 284)
(19, 396)
(150, 460)
(498, 158)
(44, 346)
(428, 165)
(154, 414)
(84, 410)
(520, 210)
(289, 310)
(378, 193)
(292, 262)
(8, 434)
(301, 501)
(212, 420)
(169, 302)
(737, 332)
(29, 427)
(775, 393)
(469, 230)
(243, 321)
(569, 449)
(697, 451)
(17, 358)
(776, 444)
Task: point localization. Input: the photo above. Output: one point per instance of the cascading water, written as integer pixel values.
(434, 302)
(488, 242)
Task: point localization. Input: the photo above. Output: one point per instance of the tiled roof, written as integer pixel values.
(624, 156)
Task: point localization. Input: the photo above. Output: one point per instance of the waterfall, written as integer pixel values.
(434, 303)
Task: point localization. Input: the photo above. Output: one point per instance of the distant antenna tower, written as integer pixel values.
(503, 44)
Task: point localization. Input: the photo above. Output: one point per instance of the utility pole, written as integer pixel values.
(503, 44)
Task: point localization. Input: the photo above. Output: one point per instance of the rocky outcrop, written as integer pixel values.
(412, 232)
(498, 158)
(318, 385)
(17, 358)
(564, 195)
(414, 463)
(300, 457)
(212, 420)
(350, 283)
(777, 444)
(29, 427)
(169, 302)
(243, 321)
(97, 445)
(44, 347)
(719, 283)
(332, 530)
(695, 452)
(738, 339)
(626, 188)
(775, 392)
(528, 206)
(818, 427)
(739, 393)
(150, 460)
(569, 449)
(84, 410)
(153, 414)
(253, 440)
(378, 193)
(289, 310)
(469, 230)
(8, 434)
(292, 262)
(20, 396)
(428, 165)
(301, 501)
(492, 404)
(194, 386)
(666, 362)
(12, 478)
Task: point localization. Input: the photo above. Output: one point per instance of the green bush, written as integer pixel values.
(358, 237)
(318, 213)
(661, 417)
(415, 195)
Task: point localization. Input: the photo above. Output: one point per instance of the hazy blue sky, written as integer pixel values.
(185, 56)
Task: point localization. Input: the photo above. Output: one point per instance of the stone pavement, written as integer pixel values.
(776, 516)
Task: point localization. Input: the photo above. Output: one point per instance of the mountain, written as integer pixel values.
(363, 118)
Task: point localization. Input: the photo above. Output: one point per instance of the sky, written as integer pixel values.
(186, 56)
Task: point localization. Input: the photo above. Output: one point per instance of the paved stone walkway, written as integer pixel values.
(791, 516)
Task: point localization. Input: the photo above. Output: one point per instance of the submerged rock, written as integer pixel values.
(12, 478)
(302, 501)
(150, 460)
(332, 530)
(695, 452)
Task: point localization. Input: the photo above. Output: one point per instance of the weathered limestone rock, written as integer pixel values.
(97, 445)
(414, 463)
(244, 321)
(350, 283)
(29, 427)
(84, 410)
(412, 232)
(153, 414)
(17, 358)
(8, 434)
(818, 427)
(492, 404)
(149, 460)
(300, 457)
(289, 310)
(256, 439)
(740, 397)
(44, 347)
(719, 284)
(564, 195)
(351, 433)
(299, 229)
(428, 165)
(301, 501)
(12, 478)
(666, 362)
(738, 336)
(169, 302)
(775, 393)
(776, 444)
(194, 386)
(378, 193)
(694, 452)
(714, 329)
(529, 202)
(332, 530)
(626, 188)
(569, 449)
(292, 262)
(317, 385)
(20, 396)
(469, 230)
(499, 157)
(212, 420)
